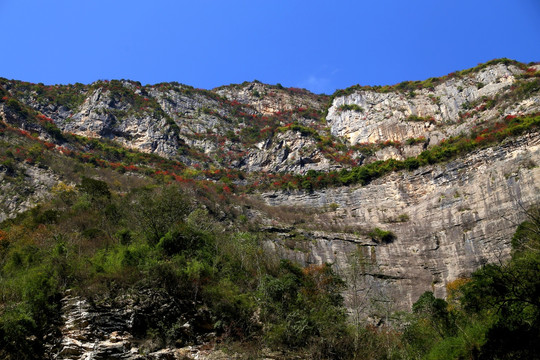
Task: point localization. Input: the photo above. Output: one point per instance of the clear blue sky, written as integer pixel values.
(319, 45)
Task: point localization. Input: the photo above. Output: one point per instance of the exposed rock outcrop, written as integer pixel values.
(447, 219)
(22, 187)
(386, 116)
(269, 99)
(119, 327)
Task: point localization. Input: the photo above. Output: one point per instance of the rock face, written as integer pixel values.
(384, 116)
(269, 99)
(447, 220)
(33, 185)
(287, 152)
(99, 116)
(116, 328)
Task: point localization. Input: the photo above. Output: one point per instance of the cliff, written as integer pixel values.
(448, 220)
(286, 163)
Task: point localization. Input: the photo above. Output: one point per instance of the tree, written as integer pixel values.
(156, 211)
(96, 189)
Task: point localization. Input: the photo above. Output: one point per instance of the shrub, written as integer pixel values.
(303, 307)
(95, 188)
(430, 119)
(382, 236)
(180, 239)
(350, 107)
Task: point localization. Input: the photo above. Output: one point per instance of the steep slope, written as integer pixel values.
(447, 220)
(298, 149)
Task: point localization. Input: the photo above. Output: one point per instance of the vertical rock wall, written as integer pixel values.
(448, 220)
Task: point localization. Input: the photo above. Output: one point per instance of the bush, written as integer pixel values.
(95, 188)
(181, 239)
(350, 107)
(382, 236)
(304, 307)
(156, 211)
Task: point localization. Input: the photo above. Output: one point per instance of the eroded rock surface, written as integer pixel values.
(118, 328)
(448, 220)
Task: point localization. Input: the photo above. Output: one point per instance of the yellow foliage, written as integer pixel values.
(62, 188)
(453, 288)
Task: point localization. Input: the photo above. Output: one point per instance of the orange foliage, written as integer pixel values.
(453, 288)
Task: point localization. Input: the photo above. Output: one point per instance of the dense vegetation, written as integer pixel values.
(140, 223)
(173, 239)
(97, 242)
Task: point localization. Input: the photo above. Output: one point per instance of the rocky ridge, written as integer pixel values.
(227, 127)
(446, 219)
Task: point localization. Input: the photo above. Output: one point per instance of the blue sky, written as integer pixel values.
(318, 45)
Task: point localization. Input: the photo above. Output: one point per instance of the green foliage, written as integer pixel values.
(403, 218)
(304, 308)
(382, 236)
(16, 107)
(418, 140)
(54, 131)
(435, 311)
(181, 239)
(497, 312)
(304, 130)
(350, 107)
(421, 119)
(512, 291)
(33, 300)
(94, 188)
(16, 329)
(157, 211)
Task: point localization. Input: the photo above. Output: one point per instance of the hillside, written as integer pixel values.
(154, 217)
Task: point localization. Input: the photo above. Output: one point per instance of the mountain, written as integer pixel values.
(403, 189)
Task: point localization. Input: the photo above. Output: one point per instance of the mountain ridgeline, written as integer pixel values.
(259, 221)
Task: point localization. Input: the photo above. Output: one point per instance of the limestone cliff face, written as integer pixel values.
(453, 106)
(99, 116)
(269, 99)
(287, 152)
(448, 220)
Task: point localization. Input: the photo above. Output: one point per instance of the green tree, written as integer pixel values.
(96, 189)
(156, 211)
